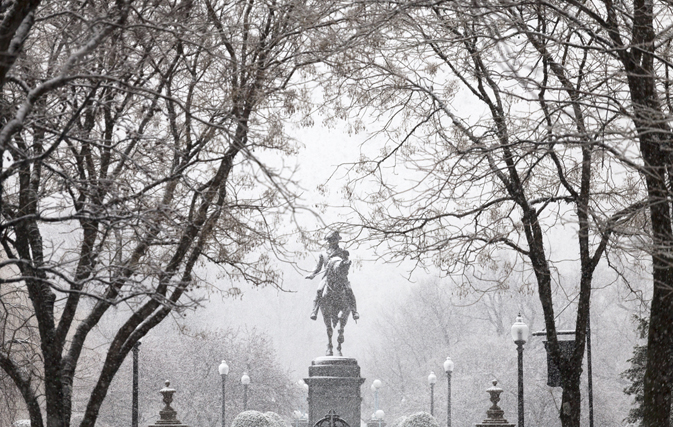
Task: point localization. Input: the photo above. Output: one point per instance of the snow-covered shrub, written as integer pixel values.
(420, 419)
(252, 419)
(276, 420)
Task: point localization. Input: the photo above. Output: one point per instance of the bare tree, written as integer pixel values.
(132, 147)
(191, 365)
(633, 39)
(18, 18)
(526, 157)
(433, 322)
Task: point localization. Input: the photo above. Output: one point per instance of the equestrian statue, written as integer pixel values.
(334, 296)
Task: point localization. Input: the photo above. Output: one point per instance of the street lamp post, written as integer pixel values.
(305, 387)
(245, 380)
(520, 336)
(448, 368)
(134, 404)
(432, 379)
(376, 385)
(224, 370)
(379, 414)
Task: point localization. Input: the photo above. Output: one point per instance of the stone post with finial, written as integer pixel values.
(168, 415)
(495, 415)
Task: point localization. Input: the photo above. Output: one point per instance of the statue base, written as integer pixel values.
(334, 384)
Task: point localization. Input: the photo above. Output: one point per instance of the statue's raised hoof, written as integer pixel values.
(314, 316)
(356, 315)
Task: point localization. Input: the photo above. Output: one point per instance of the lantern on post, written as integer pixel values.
(224, 371)
(448, 368)
(432, 380)
(520, 336)
(245, 380)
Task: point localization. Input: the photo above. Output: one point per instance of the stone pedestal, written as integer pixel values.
(168, 415)
(495, 415)
(334, 384)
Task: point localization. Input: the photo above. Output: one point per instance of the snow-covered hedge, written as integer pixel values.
(251, 419)
(420, 419)
(257, 419)
(276, 420)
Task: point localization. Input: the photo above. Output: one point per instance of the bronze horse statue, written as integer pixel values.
(335, 303)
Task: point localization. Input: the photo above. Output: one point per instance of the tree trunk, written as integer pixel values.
(655, 143)
(14, 28)
(656, 387)
(656, 383)
(571, 400)
(570, 369)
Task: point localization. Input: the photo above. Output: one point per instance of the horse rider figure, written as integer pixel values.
(333, 250)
